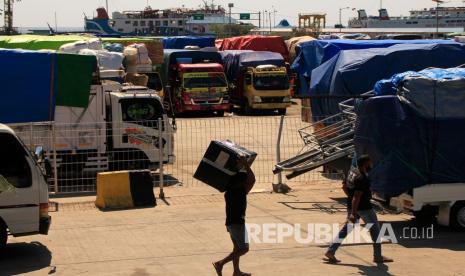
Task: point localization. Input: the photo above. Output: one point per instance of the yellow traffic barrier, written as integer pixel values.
(114, 190)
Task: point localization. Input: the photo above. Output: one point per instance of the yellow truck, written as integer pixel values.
(260, 81)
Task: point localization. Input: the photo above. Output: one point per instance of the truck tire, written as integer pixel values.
(248, 110)
(282, 111)
(3, 237)
(220, 113)
(427, 215)
(457, 216)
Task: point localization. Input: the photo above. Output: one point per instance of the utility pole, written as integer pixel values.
(340, 17)
(56, 22)
(269, 17)
(260, 20)
(230, 5)
(274, 16)
(8, 16)
(380, 4)
(106, 6)
(437, 15)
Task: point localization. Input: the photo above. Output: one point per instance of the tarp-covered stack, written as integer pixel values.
(314, 53)
(354, 72)
(256, 43)
(293, 43)
(39, 42)
(33, 83)
(181, 42)
(415, 135)
(110, 63)
(75, 47)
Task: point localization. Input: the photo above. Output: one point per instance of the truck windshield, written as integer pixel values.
(205, 82)
(276, 82)
(141, 111)
(14, 168)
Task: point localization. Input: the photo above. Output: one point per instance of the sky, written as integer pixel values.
(70, 13)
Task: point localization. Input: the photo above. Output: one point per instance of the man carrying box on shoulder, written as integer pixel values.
(236, 205)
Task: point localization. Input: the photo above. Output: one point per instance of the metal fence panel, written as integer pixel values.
(84, 150)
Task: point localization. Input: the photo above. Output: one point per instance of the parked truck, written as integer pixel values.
(23, 190)
(197, 82)
(118, 130)
(85, 124)
(260, 80)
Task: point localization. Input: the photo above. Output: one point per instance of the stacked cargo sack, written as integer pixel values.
(137, 60)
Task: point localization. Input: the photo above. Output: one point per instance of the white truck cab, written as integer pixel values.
(23, 190)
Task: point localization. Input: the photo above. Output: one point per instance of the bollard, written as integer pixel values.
(161, 155)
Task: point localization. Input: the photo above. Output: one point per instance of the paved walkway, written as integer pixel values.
(185, 234)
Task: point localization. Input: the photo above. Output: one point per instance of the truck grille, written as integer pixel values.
(272, 99)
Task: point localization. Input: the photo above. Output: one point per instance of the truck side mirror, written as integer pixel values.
(39, 153)
(248, 79)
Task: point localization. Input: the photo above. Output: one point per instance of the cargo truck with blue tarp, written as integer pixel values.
(413, 130)
(57, 101)
(354, 72)
(260, 80)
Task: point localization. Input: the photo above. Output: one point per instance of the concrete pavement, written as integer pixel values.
(185, 234)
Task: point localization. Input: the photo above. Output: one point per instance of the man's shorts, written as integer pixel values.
(239, 235)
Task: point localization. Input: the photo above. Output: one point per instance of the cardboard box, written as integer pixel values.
(220, 164)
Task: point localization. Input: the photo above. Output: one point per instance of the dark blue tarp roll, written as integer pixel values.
(408, 150)
(27, 94)
(354, 72)
(181, 42)
(235, 61)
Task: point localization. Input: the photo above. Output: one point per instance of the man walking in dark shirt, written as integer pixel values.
(358, 190)
(236, 205)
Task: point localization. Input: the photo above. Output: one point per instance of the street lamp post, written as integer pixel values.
(230, 6)
(438, 2)
(340, 17)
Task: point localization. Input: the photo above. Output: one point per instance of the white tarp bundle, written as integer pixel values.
(76, 47)
(106, 60)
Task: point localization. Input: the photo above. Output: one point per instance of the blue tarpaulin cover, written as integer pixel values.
(411, 148)
(354, 72)
(235, 61)
(26, 94)
(34, 82)
(181, 42)
(314, 53)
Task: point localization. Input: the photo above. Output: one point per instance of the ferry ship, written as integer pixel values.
(155, 22)
(442, 17)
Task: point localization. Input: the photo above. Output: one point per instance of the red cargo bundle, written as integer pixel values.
(256, 43)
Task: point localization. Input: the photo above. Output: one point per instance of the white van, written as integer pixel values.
(23, 190)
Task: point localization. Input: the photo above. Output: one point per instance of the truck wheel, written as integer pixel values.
(427, 215)
(220, 113)
(248, 110)
(457, 216)
(3, 237)
(282, 111)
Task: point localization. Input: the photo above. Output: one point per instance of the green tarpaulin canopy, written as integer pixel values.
(41, 42)
(73, 78)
